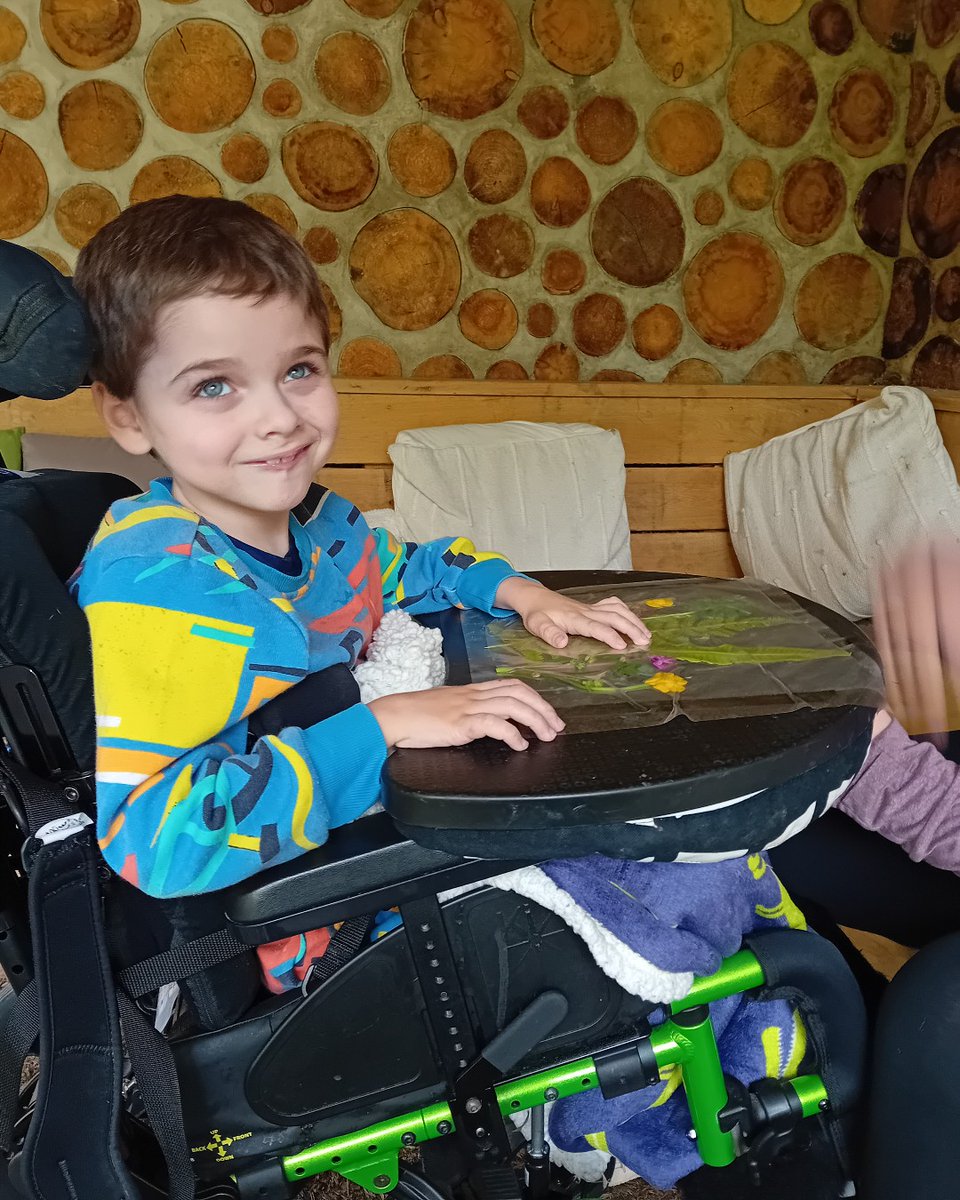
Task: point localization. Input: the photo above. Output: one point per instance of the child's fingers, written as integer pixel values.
(516, 708)
(528, 695)
(601, 628)
(489, 725)
(548, 631)
(623, 620)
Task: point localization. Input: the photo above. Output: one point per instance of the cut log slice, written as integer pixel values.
(599, 324)
(733, 290)
(352, 73)
(173, 175)
(557, 363)
(563, 273)
(281, 98)
(334, 312)
(82, 211)
(559, 193)
(613, 375)
(100, 124)
(637, 234)
(275, 8)
(331, 166)
(462, 58)
(245, 158)
(938, 364)
(541, 320)
(933, 207)
(656, 332)
(891, 23)
(684, 136)
(501, 245)
(544, 112)
(683, 41)
(280, 43)
(54, 259)
(488, 318)
(507, 368)
(811, 201)
(772, 94)
(405, 266)
(780, 367)
(580, 37)
(951, 85)
(751, 184)
(924, 102)
(199, 76)
(908, 312)
(947, 303)
(878, 211)
(862, 370)
(838, 301)
(772, 12)
(831, 27)
(369, 358)
(322, 245)
(275, 208)
(422, 161)
(606, 129)
(442, 366)
(13, 35)
(23, 186)
(940, 20)
(89, 34)
(375, 8)
(862, 112)
(708, 207)
(495, 168)
(22, 95)
(693, 370)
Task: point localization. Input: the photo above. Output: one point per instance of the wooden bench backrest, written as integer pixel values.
(674, 437)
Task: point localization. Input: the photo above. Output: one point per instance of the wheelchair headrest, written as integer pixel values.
(46, 340)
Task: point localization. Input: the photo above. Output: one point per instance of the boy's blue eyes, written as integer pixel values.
(215, 389)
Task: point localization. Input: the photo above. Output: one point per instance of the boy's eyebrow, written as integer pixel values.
(221, 364)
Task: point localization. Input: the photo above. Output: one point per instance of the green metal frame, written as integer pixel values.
(370, 1157)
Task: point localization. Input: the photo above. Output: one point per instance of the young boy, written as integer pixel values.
(227, 604)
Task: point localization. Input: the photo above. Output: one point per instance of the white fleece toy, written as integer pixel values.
(403, 657)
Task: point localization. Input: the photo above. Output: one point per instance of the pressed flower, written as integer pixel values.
(662, 603)
(661, 662)
(666, 682)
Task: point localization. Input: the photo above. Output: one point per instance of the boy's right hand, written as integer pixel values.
(454, 716)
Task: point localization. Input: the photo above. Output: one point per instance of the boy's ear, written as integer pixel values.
(122, 419)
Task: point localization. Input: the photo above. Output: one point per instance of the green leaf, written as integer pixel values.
(727, 655)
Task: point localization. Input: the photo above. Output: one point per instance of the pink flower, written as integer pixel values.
(662, 663)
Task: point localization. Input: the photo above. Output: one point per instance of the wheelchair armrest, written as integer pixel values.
(361, 868)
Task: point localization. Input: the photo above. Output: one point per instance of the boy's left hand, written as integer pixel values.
(553, 617)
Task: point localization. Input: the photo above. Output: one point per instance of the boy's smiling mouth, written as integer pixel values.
(280, 462)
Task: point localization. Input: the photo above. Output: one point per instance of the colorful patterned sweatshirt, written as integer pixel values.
(191, 636)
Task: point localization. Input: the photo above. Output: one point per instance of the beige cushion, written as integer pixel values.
(818, 510)
(547, 496)
(88, 454)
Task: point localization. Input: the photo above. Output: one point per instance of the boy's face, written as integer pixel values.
(237, 400)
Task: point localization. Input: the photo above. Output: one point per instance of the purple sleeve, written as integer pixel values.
(910, 793)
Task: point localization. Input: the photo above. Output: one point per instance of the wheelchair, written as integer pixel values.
(477, 1009)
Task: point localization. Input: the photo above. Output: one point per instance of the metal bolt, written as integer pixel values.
(381, 1181)
(444, 1127)
(434, 963)
(479, 1133)
(71, 794)
(424, 928)
(473, 1105)
(824, 1105)
(444, 996)
(448, 1014)
(409, 1139)
(550, 1094)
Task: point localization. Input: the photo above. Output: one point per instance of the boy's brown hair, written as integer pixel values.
(171, 249)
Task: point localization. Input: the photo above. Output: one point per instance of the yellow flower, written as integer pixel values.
(667, 682)
(659, 603)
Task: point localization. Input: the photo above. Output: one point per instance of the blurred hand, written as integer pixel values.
(916, 604)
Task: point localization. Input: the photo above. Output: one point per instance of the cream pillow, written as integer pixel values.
(547, 496)
(818, 510)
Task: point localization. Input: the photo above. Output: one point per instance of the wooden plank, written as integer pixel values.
(949, 422)
(671, 498)
(367, 487)
(708, 553)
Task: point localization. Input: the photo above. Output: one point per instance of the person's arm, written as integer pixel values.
(182, 807)
(423, 577)
(908, 792)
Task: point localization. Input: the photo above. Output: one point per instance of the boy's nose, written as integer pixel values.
(275, 414)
